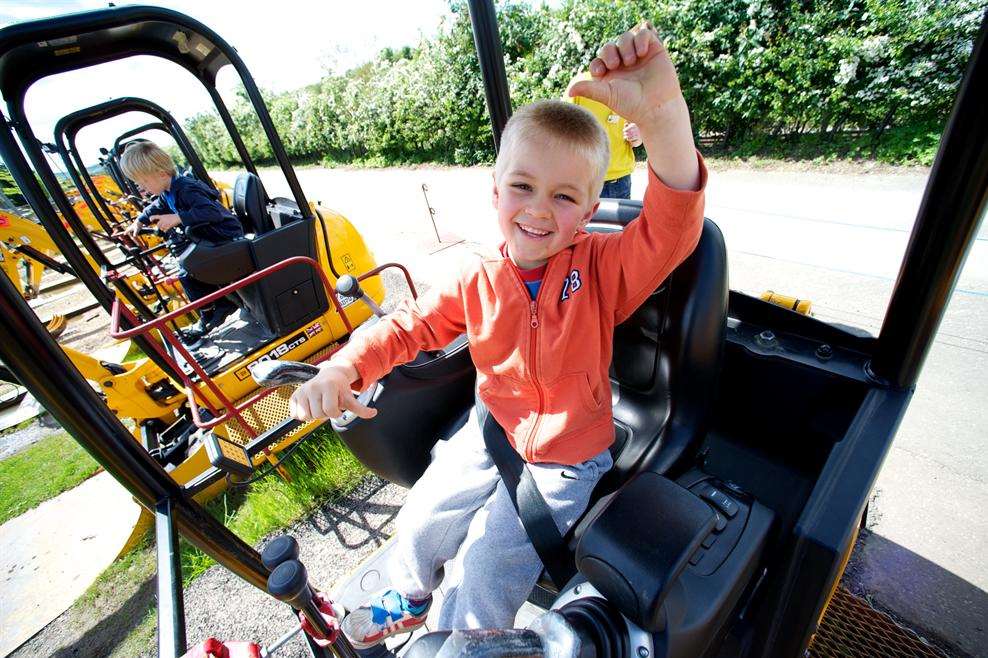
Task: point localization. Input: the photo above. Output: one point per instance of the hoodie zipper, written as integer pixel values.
(527, 450)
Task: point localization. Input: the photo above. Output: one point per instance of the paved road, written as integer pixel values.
(836, 239)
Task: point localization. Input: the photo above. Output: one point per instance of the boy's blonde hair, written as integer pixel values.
(558, 122)
(145, 158)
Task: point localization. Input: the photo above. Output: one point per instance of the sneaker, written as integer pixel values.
(214, 315)
(387, 614)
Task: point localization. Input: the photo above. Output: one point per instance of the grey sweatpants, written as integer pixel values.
(460, 509)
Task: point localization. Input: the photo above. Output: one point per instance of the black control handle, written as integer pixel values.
(279, 373)
(289, 582)
(281, 549)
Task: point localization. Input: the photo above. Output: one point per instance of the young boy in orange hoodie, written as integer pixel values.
(540, 319)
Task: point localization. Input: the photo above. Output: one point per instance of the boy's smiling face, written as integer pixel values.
(542, 199)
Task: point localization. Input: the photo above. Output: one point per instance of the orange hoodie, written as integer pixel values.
(542, 365)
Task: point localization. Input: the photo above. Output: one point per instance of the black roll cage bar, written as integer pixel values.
(946, 225)
(67, 131)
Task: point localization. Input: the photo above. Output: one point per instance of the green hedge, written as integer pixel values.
(753, 71)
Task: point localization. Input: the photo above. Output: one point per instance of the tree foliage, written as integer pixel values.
(750, 70)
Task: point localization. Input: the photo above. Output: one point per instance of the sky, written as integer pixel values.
(285, 43)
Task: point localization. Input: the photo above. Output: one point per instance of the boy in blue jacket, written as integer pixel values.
(186, 202)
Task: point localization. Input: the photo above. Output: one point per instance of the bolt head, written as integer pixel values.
(642, 652)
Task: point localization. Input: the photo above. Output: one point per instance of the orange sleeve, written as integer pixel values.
(429, 323)
(632, 263)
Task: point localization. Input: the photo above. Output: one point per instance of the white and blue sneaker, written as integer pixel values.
(386, 614)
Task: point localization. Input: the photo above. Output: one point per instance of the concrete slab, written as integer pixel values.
(27, 408)
(52, 554)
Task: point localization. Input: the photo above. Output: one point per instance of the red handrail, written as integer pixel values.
(192, 391)
(115, 331)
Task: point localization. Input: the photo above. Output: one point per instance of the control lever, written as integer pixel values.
(348, 286)
(289, 582)
(280, 550)
(279, 373)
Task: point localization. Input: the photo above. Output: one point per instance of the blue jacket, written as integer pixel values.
(203, 216)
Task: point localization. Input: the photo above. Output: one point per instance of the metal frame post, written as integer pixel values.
(945, 228)
(171, 604)
(487, 40)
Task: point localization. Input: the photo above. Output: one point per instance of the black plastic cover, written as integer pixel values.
(218, 264)
(632, 552)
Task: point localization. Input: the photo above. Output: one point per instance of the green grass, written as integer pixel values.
(42, 471)
(320, 469)
(134, 353)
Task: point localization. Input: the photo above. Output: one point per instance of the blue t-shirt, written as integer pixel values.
(169, 196)
(532, 279)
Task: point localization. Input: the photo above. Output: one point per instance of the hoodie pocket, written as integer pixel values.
(568, 391)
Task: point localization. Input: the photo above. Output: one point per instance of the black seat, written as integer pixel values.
(250, 202)
(284, 300)
(663, 376)
(666, 359)
(665, 365)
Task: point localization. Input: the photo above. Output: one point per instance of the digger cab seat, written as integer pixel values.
(664, 367)
(285, 300)
(666, 357)
(664, 370)
(250, 202)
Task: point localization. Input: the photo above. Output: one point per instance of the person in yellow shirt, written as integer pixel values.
(623, 137)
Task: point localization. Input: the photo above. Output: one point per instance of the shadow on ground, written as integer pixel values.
(99, 639)
(936, 603)
(349, 518)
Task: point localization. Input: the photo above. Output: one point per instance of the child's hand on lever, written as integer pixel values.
(328, 395)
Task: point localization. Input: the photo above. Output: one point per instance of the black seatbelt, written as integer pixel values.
(528, 501)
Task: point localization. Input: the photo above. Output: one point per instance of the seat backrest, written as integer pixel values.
(667, 357)
(250, 202)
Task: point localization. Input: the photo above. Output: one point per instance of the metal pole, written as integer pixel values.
(487, 40)
(231, 128)
(277, 146)
(171, 606)
(945, 228)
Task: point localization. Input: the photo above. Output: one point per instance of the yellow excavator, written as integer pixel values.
(26, 251)
(286, 276)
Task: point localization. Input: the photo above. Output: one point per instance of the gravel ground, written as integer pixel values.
(334, 540)
(13, 442)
